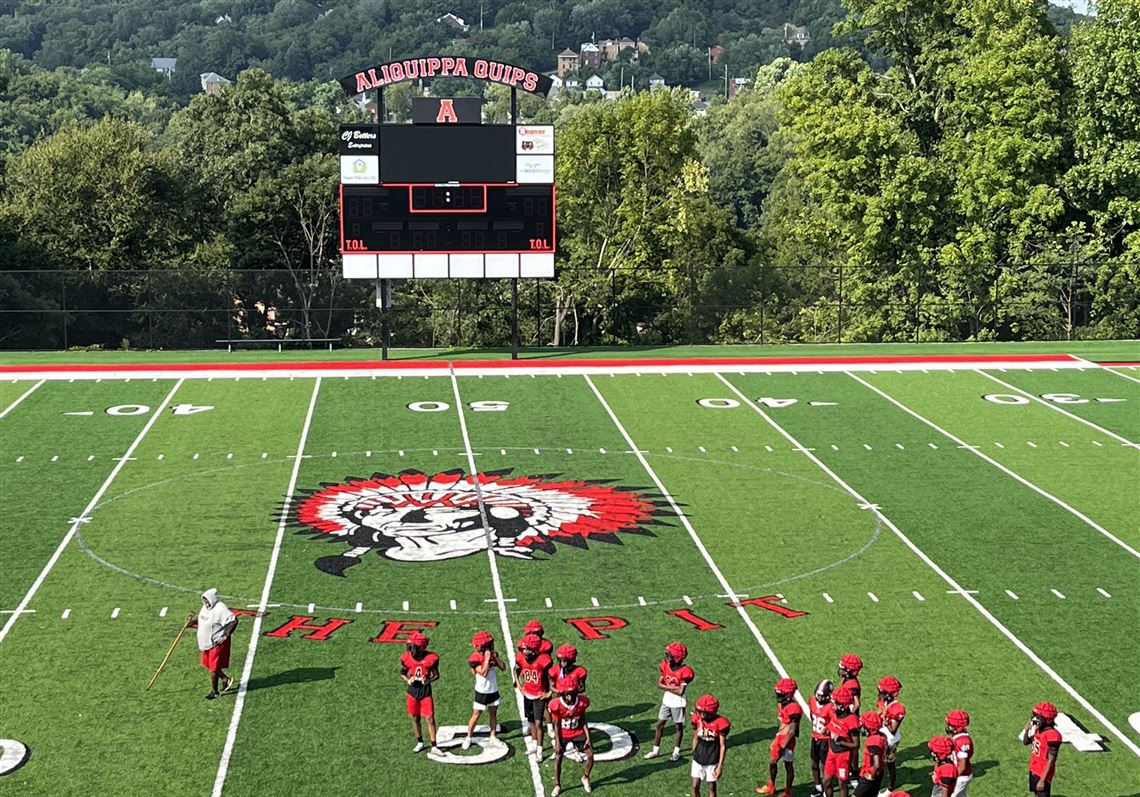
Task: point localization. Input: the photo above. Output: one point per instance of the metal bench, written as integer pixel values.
(279, 342)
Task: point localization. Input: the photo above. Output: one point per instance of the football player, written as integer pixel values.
(945, 770)
(419, 669)
(819, 705)
(843, 730)
(849, 668)
(892, 712)
(956, 722)
(532, 677)
(483, 663)
(545, 646)
(1046, 740)
(566, 664)
(568, 711)
(783, 748)
(674, 679)
(871, 773)
(710, 742)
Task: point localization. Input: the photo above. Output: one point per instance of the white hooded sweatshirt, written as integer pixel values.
(212, 618)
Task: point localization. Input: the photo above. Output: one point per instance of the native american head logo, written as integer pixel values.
(416, 517)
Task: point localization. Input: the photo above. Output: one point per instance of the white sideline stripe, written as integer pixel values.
(1055, 408)
(771, 654)
(500, 601)
(1110, 369)
(247, 668)
(1002, 468)
(27, 393)
(86, 513)
(537, 369)
(996, 623)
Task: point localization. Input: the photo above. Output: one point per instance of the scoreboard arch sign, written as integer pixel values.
(460, 66)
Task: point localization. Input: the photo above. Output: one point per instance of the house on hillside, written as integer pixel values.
(595, 83)
(716, 52)
(737, 85)
(656, 82)
(796, 34)
(589, 55)
(567, 62)
(454, 22)
(164, 65)
(212, 82)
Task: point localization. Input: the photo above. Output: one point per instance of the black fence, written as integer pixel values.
(183, 308)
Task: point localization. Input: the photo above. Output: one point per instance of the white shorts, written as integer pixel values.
(962, 787)
(670, 714)
(892, 740)
(702, 772)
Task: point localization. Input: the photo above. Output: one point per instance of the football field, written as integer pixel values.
(970, 525)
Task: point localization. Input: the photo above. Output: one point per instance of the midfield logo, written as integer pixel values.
(416, 517)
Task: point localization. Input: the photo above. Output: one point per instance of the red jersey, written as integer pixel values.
(570, 718)
(963, 749)
(707, 752)
(419, 670)
(546, 648)
(852, 685)
(789, 713)
(945, 775)
(844, 728)
(821, 714)
(682, 675)
(555, 672)
(875, 745)
(1044, 741)
(533, 675)
(894, 710)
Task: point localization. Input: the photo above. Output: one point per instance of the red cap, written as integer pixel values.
(1046, 710)
(532, 627)
(480, 639)
(786, 686)
(851, 663)
(677, 650)
(842, 697)
(890, 685)
(567, 652)
(941, 746)
(871, 721)
(957, 719)
(707, 703)
(417, 639)
(530, 642)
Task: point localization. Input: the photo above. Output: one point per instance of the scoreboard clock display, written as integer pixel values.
(419, 218)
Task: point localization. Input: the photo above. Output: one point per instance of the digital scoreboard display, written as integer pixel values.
(447, 218)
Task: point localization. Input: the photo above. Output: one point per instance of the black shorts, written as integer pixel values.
(533, 708)
(818, 751)
(486, 700)
(868, 788)
(1033, 781)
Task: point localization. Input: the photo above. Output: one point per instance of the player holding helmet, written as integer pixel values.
(533, 679)
(674, 679)
(819, 706)
(483, 663)
(783, 748)
(945, 770)
(568, 711)
(1046, 740)
(419, 669)
(892, 712)
(956, 722)
(710, 742)
(871, 773)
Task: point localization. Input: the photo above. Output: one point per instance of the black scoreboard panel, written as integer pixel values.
(447, 218)
(447, 153)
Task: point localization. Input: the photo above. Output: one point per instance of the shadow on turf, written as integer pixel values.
(298, 675)
(639, 771)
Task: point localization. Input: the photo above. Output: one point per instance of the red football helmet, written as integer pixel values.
(707, 703)
(529, 642)
(417, 640)
(533, 627)
(1046, 711)
(851, 663)
(900, 794)
(567, 652)
(957, 720)
(842, 698)
(871, 722)
(677, 651)
(941, 746)
(786, 687)
(480, 639)
(567, 683)
(890, 685)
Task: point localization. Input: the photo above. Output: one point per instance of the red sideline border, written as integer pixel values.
(726, 363)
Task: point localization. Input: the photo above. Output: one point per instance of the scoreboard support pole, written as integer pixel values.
(514, 319)
(382, 302)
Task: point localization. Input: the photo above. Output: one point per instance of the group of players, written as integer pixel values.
(552, 685)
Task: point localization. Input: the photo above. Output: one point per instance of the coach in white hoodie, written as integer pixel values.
(216, 624)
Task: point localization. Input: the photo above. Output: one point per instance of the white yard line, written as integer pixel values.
(85, 515)
(27, 393)
(978, 453)
(247, 668)
(996, 623)
(1054, 407)
(500, 602)
(728, 590)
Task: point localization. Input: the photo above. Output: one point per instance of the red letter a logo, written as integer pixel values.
(446, 112)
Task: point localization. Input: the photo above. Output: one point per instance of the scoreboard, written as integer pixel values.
(447, 201)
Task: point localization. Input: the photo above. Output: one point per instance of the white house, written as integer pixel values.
(164, 65)
(595, 83)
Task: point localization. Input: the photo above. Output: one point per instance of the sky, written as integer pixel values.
(1080, 6)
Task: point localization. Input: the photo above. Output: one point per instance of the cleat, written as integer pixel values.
(211, 695)
(466, 743)
(651, 754)
(555, 791)
(769, 789)
(817, 790)
(435, 751)
(227, 683)
(418, 748)
(586, 785)
(538, 756)
(676, 754)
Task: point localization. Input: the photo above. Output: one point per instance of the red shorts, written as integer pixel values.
(218, 657)
(837, 765)
(420, 707)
